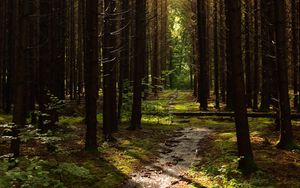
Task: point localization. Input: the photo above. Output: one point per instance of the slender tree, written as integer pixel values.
(248, 62)
(246, 162)
(229, 77)
(109, 70)
(222, 51)
(22, 11)
(203, 77)
(91, 55)
(268, 55)
(256, 56)
(295, 51)
(286, 136)
(216, 54)
(139, 60)
(155, 48)
(124, 61)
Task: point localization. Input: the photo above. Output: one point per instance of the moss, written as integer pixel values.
(100, 117)
(5, 118)
(69, 120)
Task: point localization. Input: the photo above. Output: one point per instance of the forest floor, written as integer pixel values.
(168, 152)
(202, 152)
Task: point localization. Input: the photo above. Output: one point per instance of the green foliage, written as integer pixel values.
(5, 118)
(65, 121)
(50, 138)
(181, 46)
(55, 104)
(228, 176)
(127, 100)
(34, 172)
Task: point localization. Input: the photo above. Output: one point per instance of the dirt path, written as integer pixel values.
(176, 156)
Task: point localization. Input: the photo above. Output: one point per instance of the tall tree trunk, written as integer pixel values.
(109, 70)
(267, 34)
(140, 59)
(216, 54)
(248, 54)
(203, 77)
(155, 59)
(246, 162)
(286, 136)
(295, 51)
(256, 84)
(124, 61)
(298, 25)
(229, 69)
(22, 11)
(222, 51)
(80, 48)
(9, 62)
(2, 47)
(91, 56)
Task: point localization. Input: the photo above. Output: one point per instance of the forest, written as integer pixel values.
(150, 93)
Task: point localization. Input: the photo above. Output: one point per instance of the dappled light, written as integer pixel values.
(149, 94)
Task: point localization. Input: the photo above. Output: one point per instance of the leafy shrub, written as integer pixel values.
(31, 173)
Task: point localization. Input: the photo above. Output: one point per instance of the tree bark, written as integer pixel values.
(22, 11)
(203, 77)
(140, 59)
(286, 134)
(248, 61)
(155, 58)
(124, 61)
(256, 84)
(109, 70)
(216, 54)
(295, 56)
(91, 55)
(229, 69)
(267, 32)
(246, 162)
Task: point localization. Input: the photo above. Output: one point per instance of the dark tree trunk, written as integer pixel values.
(91, 55)
(155, 59)
(22, 11)
(246, 162)
(10, 60)
(58, 36)
(139, 60)
(80, 48)
(124, 61)
(216, 54)
(298, 15)
(286, 136)
(256, 84)
(109, 70)
(295, 51)
(229, 69)
(203, 77)
(248, 55)
(2, 47)
(222, 51)
(268, 57)
(72, 44)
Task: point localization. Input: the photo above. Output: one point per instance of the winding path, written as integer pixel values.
(176, 155)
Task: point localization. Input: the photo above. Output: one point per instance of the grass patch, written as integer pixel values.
(5, 118)
(219, 162)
